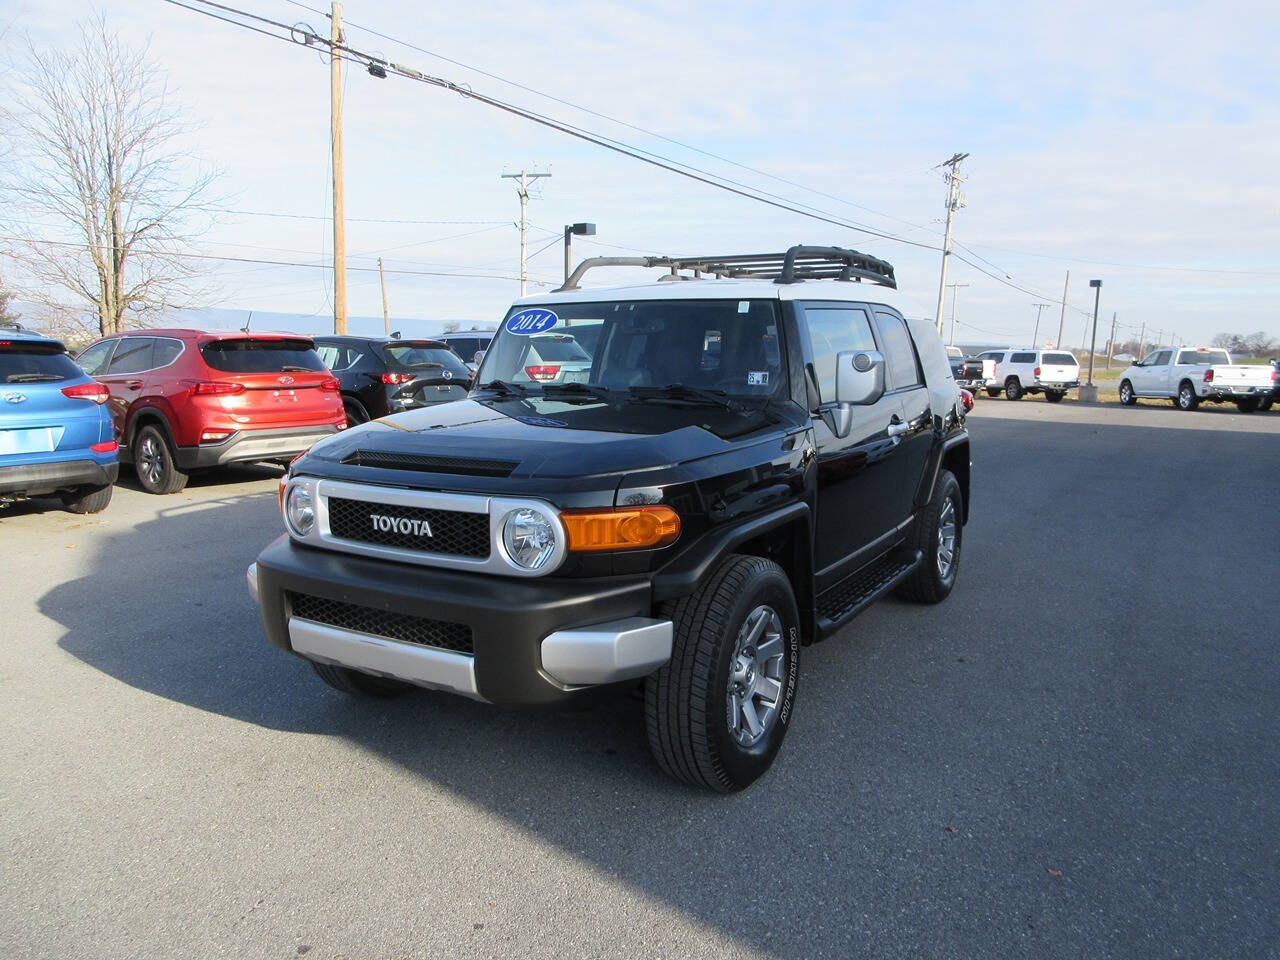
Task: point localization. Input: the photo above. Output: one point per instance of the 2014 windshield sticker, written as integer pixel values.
(757, 378)
(528, 322)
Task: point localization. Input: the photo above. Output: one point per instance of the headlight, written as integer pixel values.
(529, 536)
(299, 510)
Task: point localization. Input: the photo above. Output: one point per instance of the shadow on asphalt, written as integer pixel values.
(1022, 770)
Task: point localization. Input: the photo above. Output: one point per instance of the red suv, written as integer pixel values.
(183, 400)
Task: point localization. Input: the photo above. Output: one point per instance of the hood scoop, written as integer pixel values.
(426, 463)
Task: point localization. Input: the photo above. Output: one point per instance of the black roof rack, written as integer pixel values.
(797, 264)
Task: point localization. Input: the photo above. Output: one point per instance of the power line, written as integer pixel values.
(612, 119)
(314, 216)
(283, 263)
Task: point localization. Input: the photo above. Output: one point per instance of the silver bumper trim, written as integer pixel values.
(251, 575)
(607, 652)
(423, 666)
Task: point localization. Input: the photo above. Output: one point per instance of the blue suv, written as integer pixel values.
(56, 434)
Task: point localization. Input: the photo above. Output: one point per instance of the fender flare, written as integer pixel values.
(681, 576)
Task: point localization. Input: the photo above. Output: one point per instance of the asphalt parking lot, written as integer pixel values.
(1076, 755)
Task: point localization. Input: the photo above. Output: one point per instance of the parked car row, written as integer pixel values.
(172, 402)
(1016, 372)
(1189, 376)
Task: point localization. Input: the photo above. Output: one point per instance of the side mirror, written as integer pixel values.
(859, 382)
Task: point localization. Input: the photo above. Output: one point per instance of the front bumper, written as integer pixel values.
(531, 641)
(38, 479)
(248, 445)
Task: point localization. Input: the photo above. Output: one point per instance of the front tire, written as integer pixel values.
(939, 535)
(1013, 389)
(357, 684)
(154, 463)
(94, 501)
(1127, 397)
(1187, 399)
(717, 712)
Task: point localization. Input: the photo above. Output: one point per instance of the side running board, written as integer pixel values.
(848, 598)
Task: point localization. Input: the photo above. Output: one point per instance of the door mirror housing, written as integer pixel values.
(859, 383)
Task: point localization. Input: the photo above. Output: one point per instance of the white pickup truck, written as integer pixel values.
(1189, 375)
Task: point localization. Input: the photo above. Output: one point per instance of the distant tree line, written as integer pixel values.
(1258, 344)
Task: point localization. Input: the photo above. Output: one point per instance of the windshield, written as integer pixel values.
(721, 345)
(416, 356)
(261, 356)
(35, 362)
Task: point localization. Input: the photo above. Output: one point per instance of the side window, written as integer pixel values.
(94, 360)
(833, 330)
(328, 355)
(1162, 358)
(1023, 358)
(132, 356)
(166, 351)
(899, 352)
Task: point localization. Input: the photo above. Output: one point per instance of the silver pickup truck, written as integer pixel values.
(1191, 375)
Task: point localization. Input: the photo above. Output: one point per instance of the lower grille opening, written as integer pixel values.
(422, 631)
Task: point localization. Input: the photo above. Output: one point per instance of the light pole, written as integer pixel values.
(1089, 393)
(582, 230)
(955, 295)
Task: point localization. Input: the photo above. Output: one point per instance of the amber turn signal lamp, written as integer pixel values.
(623, 528)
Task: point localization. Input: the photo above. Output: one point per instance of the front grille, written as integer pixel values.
(431, 464)
(422, 631)
(453, 532)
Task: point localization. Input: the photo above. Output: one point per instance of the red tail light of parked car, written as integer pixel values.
(87, 391)
(547, 371)
(395, 379)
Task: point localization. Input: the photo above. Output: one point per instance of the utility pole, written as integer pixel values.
(1111, 344)
(1063, 318)
(954, 202)
(525, 178)
(955, 295)
(1093, 345)
(1142, 340)
(1035, 337)
(335, 139)
(386, 317)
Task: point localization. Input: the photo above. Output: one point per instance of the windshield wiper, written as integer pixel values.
(294, 368)
(506, 387)
(33, 377)
(684, 392)
(579, 391)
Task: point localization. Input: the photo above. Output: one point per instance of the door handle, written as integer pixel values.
(896, 428)
(133, 384)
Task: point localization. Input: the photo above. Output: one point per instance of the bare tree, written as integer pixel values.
(99, 156)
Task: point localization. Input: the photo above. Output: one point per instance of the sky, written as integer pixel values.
(1134, 143)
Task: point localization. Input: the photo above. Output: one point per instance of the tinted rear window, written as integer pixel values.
(408, 356)
(36, 363)
(1060, 359)
(1203, 357)
(1023, 358)
(261, 356)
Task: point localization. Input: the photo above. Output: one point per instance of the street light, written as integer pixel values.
(1089, 393)
(582, 230)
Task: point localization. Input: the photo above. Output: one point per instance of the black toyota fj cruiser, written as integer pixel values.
(756, 451)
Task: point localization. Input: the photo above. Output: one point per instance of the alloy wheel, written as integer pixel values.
(756, 675)
(150, 461)
(946, 554)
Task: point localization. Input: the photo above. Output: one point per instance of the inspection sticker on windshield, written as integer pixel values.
(757, 378)
(744, 306)
(528, 322)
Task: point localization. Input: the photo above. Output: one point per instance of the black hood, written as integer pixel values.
(516, 442)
